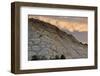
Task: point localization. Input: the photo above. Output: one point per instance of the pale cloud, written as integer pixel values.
(68, 23)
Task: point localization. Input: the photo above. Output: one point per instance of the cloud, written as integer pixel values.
(65, 23)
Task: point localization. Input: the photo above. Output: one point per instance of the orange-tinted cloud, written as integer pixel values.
(64, 24)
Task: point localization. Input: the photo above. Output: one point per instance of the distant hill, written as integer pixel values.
(46, 41)
(81, 36)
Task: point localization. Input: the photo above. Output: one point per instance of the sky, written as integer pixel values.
(77, 26)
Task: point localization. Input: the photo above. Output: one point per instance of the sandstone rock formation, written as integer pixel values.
(46, 42)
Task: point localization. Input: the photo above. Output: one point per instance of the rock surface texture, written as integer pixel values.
(47, 42)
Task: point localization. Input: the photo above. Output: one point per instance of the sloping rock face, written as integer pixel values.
(47, 42)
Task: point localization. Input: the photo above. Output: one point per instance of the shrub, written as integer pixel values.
(57, 57)
(34, 57)
(63, 57)
(43, 58)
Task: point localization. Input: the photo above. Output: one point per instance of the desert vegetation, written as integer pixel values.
(37, 57)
